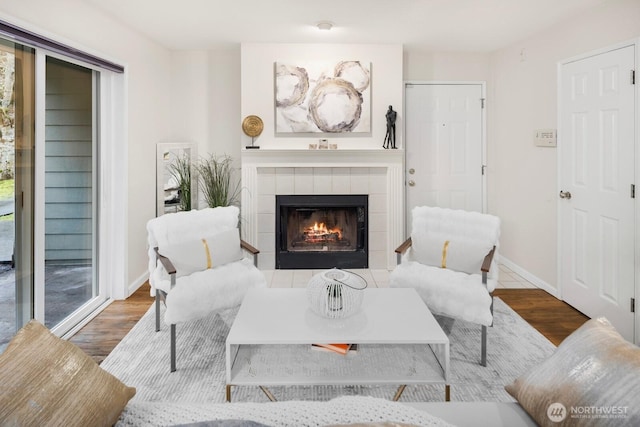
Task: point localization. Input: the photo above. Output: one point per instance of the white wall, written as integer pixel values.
(446, 66)
(80, 25)
(522, 178)
(257, 93)
(189, 90)
(205, 100)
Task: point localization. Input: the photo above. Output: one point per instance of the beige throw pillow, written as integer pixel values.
(45, 380)
(592, 379)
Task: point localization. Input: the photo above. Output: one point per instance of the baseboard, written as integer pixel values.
(535, 280)
(135, 285)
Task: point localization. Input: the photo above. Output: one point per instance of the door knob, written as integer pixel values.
(412, 183)
(565, 195)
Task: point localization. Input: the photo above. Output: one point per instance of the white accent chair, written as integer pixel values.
(197, 266)
(450, 259)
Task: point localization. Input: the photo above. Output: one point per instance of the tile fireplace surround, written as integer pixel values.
(376, 172)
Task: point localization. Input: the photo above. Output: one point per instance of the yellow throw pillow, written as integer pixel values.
(45, 380)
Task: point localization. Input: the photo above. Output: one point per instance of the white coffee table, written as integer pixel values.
(399, 342)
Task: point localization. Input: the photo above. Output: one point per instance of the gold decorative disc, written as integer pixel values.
(252, 126)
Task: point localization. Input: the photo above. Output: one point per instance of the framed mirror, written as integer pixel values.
(176, 179)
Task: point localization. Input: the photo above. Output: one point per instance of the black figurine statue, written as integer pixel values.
(390, 137)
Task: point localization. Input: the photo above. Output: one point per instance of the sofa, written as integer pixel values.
(592, 379)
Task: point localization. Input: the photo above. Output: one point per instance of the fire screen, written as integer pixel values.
(321, 231)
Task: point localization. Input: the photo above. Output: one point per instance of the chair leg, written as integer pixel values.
(157, 310)
(491, 308)
(173, 332)
(483, 347)
(173, 347)
(483, 343)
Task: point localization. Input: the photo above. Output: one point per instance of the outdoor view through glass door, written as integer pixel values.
(48, 191)
(70, 186)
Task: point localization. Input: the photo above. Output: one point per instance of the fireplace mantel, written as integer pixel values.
(255, 162)
(322, 158)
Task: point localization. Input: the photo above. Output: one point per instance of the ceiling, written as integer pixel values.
(430, 25)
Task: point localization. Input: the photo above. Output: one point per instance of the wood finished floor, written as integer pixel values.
(551, 317)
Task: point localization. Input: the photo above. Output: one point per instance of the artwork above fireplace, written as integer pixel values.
(324, 97)
(321, 231)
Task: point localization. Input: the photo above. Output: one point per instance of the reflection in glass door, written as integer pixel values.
(17, 106)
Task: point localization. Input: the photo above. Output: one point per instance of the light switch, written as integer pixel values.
(545, 138)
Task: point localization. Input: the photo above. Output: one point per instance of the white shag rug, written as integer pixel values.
(141, 360)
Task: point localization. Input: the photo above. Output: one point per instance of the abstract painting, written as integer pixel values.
(323, 97)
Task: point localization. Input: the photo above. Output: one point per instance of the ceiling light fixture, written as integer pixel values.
(324, 25)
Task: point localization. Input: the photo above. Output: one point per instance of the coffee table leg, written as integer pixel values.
(228, 393)
(447, 393)
(268, 393)
(399, 392)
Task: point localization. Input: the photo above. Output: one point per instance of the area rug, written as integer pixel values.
(141, 360)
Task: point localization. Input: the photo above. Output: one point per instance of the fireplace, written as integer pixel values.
(321, 231)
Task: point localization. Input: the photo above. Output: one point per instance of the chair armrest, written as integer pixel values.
(404, 246)
(166, 262)
(253, 251)
(402, 249)
(244, 245)
(486, 264)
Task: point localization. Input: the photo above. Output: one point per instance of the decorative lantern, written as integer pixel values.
(336, 293)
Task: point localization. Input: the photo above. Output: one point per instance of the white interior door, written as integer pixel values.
(444, 146)
(596, 174)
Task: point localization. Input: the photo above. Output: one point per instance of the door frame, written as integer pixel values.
(483, 134)
(561, 155)
(110, 163)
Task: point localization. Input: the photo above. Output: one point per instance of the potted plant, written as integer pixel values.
(218, 186)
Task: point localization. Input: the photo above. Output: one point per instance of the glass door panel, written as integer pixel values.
(17, 140)
(70, 190)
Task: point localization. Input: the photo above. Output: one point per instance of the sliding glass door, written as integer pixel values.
(49, 169)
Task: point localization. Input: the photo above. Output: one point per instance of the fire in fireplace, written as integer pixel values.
(321, 231)
(320, 235)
